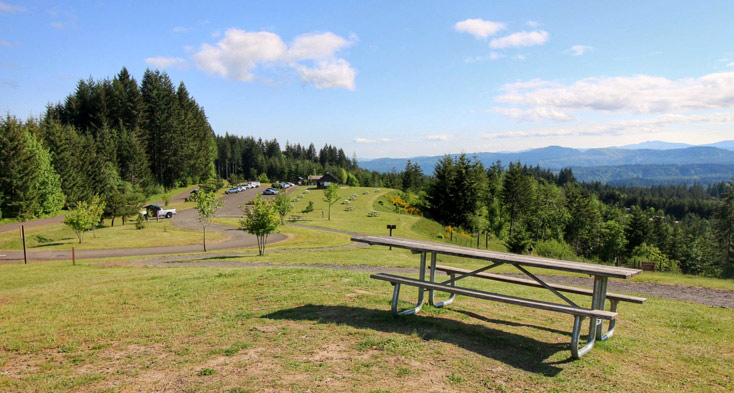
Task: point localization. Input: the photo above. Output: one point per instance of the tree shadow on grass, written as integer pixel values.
(518, 351)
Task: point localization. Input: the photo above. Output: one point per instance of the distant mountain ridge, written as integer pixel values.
(558, 157)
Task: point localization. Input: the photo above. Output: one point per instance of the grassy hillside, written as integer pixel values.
(196, 329)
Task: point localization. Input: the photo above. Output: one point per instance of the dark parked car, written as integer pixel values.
(232, 190)
(270, 191)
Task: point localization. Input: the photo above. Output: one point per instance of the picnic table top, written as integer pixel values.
(496, 256)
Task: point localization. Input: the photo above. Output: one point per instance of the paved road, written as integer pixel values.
(187, 219)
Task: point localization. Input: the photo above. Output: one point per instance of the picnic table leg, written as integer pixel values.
(595, 325)
(396, 292)
(577, 352)
(612, 323)
(598, 300)
(431, 300)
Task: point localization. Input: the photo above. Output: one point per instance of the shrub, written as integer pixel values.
(140, 222)
(649, 253)
(555, 249)
(309, 208)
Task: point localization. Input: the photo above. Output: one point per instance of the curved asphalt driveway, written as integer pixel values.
(187, 219)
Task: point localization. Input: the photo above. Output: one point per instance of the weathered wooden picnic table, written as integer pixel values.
(596, 312)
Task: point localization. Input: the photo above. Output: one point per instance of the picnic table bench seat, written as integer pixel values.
(533, 283)
(582, 312)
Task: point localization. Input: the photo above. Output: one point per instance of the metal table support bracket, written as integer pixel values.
(396, 292)
(431, 299)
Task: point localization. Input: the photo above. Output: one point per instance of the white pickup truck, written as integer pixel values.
(157, 211)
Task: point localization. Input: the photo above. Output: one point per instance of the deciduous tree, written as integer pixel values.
(260, 219)
(207, 205)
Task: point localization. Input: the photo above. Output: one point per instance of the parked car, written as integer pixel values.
(254, 184)
(270, 191)
(232, 190)
(157, 211)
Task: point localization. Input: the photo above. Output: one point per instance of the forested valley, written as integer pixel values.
(680, 228)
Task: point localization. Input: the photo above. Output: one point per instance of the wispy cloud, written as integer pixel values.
(532, 23)
(312, 56)
(616, 128)
(631, 94)
(365, 140)
(165, 62)
(491, 56)
(8, 44)
(534, 114)
(578, 50)
(5, 7)
(180, 29)
(441, 137)
(479, 28)
(730, 64)
(520, 39)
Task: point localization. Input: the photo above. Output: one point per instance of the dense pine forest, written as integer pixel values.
(121, 141)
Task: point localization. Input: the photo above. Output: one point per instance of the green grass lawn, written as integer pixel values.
(358, 220)
(60, 237)
(100, 329)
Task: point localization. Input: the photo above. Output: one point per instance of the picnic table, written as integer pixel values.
(599, 295)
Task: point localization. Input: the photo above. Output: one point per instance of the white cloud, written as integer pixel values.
(316, 46)
(520, 57)
(180, 29)
(58, 25)
(165, 62)
(534, 114)
(479, 28)
(5, 7)
(520, 39)
(578, 50)
(328, 74)
(532, 23)
(365, 140)
(442, 137)
(617, 128)
(730, 64)
(239, 53)
(634, 94)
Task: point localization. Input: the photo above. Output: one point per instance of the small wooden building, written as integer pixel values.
(323, 181)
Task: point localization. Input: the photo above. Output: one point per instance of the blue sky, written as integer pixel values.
(399, 78)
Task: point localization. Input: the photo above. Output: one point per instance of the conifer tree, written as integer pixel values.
(18, 170)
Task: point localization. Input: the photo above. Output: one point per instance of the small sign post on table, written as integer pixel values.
(391, 227)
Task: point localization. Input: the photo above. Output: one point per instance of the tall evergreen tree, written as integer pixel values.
(19, 174)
